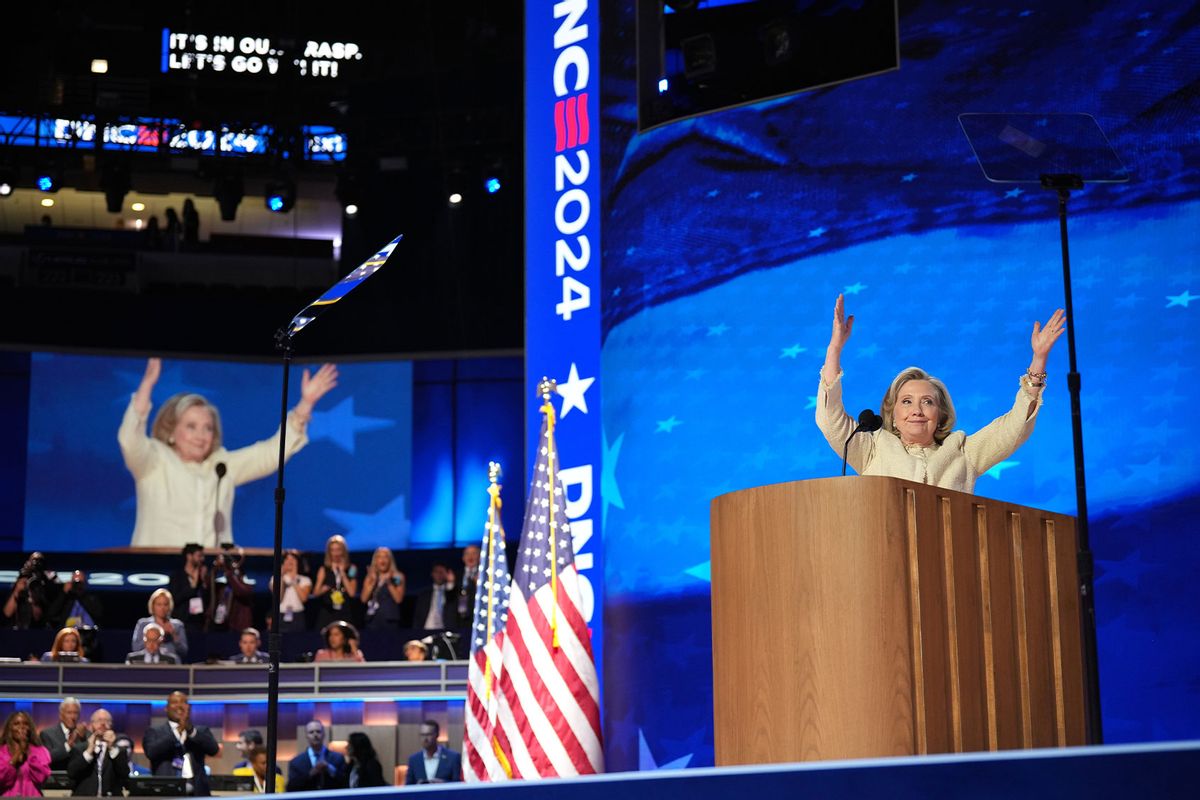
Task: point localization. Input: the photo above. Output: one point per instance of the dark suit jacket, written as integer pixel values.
(370, 773)
(450, 620)
(139, 657)
(161, 747)
(56, 742)
(300, 778)
(114, 771)
(259, 658)
(449, 766)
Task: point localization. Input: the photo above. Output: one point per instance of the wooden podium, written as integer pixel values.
(861, 617)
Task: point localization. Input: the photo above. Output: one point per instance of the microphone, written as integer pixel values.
(218, 517)
(868, 422)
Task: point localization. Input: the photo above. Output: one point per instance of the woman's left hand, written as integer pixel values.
(1043, 338)
(314, 387)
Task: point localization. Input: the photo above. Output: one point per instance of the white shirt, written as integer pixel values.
(437, 602)
(431, 763)
(182, 736)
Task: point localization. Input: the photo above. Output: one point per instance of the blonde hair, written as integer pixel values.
(946, 414)
(337, 537)
(390, 555)
(161, 593)
(168, 416)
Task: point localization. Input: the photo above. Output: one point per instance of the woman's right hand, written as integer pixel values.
(141, 398)
(167, 627)
(842, 325)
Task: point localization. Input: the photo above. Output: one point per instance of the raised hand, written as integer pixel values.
(1043, 338)
(141, 398)
(843, 326)
(313, 387)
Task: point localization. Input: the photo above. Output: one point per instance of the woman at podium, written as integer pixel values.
(917, 441)
(182, 472)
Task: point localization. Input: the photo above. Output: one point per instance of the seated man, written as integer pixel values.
(248, 646)
(433, 763)
(151, 652)
(125, 744)
(316, 767)
(100, 769)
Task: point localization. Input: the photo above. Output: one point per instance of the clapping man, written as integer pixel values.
(178, 747)
(100, 769)
(316, 767)
(67, 736)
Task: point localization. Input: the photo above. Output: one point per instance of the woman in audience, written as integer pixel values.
(341, 643)
(296, 589)
(67, 647)
(416, 650)
(24, 762)
(337, 583)
(256, 765)
(383, 591)
(174, 639)
(365, 769)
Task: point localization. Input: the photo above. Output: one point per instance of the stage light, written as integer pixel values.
(280, 196)
(47, 202)
(663, 85)
(492, 185)
(6, 188)
(455, 198)
(49, 181)
(139, 206)
(351, 210)
(228, 191)
(349, 192)
(99, 66)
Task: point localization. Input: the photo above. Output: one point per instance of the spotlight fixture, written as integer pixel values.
(138, 206)
(49, 180)
(99, 66)
(47, 202)
(455, 198)
(6, 188)
(349, 192)
(492, 185)
(280, 196)
(351, 210)
(228, 191)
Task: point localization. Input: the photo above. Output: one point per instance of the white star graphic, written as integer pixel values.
(667, 425)
(389, 525)
(340, 425)
(572, 392)
(1182, 299)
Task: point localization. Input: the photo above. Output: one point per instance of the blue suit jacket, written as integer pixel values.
(449, 766)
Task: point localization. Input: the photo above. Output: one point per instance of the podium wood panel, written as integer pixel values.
(861, 617)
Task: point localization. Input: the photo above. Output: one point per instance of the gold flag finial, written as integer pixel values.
(494, 471)
(547, 387)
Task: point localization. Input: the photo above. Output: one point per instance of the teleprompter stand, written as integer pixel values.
(1060, 152)
(283, 342)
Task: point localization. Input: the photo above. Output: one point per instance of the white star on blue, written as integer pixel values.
(389, 525)
(339, 425)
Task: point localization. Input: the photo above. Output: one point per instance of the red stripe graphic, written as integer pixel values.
(572, 123)
(560, 127)
(582, 114)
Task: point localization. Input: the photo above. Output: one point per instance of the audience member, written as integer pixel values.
(152, 234)
(465, 596)
(341, 643)
(73, 606)
(27, 603)
(24, 762)
(257, 768)
(336, 585)
(231, 601)
(151, 652)
(172, 230)
(100, 769)
(174, 640)
(316, 767)
(178, 747)
(125, 744)
(248, 652)
(383, 591)
(416, 650)
(296, 588)
(247, 742)
(433, 763)
(365, 769)
(434, 609)
(191, 224)
(67, 646)
(189, 588)
(65, 737)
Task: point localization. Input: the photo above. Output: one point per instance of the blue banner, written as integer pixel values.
(562, 263)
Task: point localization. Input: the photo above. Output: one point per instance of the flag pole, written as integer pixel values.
(546, 387)
(493, 514)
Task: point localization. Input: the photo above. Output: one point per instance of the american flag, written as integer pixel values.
(481, 748)
(548, 712)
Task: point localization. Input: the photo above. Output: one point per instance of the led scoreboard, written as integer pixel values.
(256, 55)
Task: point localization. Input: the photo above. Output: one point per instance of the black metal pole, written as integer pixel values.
(1063, 184)
(284, 342)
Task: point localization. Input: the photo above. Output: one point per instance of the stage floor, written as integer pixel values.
(1167, 770)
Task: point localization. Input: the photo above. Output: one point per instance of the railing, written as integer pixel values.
(383, 680)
